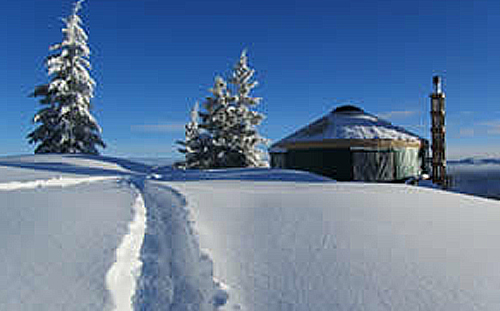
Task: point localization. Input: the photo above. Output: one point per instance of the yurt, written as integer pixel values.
(350, 144)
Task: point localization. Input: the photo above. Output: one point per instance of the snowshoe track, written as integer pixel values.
(176, 275)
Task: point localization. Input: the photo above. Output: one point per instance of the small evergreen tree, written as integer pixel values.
(196, 147)
(227, 135)
(65, 123)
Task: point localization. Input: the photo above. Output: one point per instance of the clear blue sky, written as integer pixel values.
(153, 59)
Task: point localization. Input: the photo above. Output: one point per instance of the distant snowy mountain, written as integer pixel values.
(474, 160)
(477, 176)
(102, 233)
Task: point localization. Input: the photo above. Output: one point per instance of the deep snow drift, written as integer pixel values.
(97, 233)
(58, 243)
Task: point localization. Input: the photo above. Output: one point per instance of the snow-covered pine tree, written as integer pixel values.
(227, 135)
(246, 137)
(65, 123)
(216, 124)
(230, 122)
(196, 147)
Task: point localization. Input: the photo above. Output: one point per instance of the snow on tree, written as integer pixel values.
(196, 146)
(246, 137)
(216, 124)
(65, 123)
(227, 135)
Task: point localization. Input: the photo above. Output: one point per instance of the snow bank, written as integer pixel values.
(121, 279)
(59, 243)
(348, 246)
(46, 166)
(248, 174)
(54, 182)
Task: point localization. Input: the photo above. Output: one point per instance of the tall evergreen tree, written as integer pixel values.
(216, 123)
(65, 123)
(246, 136)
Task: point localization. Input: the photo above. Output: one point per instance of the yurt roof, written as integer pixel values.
(348, 125)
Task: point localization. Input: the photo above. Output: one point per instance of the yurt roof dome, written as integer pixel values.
(349, 123)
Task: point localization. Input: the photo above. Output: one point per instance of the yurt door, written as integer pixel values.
(373, 165)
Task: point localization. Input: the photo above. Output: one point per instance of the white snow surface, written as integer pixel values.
(100, 233)
(349, 125)
(90, 233)
(348, 246)
(58, 243)
(121, 277)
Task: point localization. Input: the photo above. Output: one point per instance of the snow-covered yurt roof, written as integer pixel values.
(348, 126)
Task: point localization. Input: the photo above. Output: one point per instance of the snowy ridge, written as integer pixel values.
(175, 275)
(53, 182)
(248, 174)
(475, 161)
(121, 279)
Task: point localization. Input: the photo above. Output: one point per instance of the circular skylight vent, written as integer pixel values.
(348, 109)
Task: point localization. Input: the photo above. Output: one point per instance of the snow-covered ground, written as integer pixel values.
(58, 242)
(100, 233)
(348, 246)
